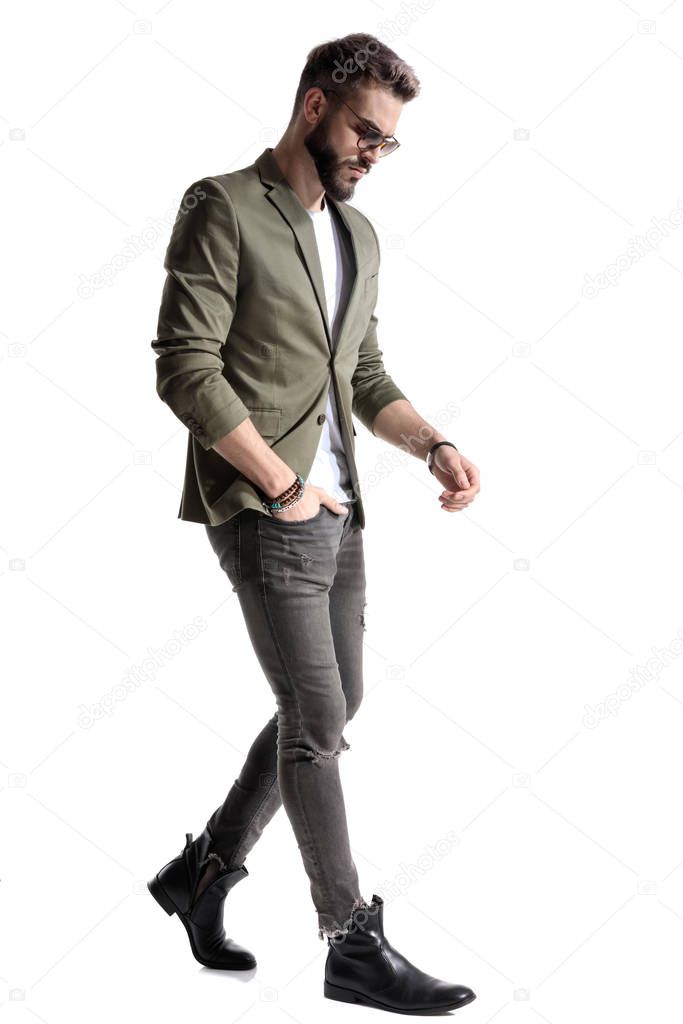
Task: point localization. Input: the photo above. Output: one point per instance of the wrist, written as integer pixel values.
(283, 501)
(277, 482)
(434, 438)
(434, 449)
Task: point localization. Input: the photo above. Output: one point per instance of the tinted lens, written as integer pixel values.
(373, 139)
(370, 140)
(388, 148)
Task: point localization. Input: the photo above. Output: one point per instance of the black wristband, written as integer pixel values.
(430, 455)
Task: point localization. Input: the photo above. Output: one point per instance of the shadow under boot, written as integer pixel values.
(363, 967)
(175, 886)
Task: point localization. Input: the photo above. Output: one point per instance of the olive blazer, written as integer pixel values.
(243, 332)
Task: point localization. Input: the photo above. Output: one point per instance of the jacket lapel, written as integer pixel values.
(284, 198)
(361, 259)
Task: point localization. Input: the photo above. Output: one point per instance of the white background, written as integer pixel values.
(546, 138)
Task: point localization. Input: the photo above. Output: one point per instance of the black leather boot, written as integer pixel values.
(174, 888)
(363, 967)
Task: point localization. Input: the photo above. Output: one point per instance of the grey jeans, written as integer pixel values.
(301, 587)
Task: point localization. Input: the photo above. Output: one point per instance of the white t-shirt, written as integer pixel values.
(330, 469)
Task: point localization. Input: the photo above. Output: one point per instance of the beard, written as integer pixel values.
(328, 165)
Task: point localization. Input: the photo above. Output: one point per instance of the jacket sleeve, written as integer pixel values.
(373, 388)
(197, 307)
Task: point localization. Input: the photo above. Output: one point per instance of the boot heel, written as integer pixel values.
(161, 897)
(342, 994)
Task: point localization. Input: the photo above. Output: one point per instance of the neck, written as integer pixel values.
(298, 168)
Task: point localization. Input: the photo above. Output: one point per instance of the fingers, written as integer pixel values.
(335, 506)
(465, 496)
(455, 501)
(467, 479)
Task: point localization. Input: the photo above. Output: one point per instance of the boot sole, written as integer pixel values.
(165, 901)
(349, 995)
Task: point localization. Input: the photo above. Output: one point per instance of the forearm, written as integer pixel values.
(400, 424)
(245, 449)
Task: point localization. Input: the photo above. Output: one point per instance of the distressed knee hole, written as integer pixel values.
(319, 755)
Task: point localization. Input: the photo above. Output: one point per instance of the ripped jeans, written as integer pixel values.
(301, 587)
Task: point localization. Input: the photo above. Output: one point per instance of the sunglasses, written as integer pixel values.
(372, 138)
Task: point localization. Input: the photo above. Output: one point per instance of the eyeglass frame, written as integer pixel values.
(375, 131)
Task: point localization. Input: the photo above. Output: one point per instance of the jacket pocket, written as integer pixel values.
(266, 419)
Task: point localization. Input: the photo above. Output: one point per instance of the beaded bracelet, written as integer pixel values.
(289, 497)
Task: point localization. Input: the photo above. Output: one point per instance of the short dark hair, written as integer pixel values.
(354, 60)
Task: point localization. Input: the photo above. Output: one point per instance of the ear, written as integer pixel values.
(314, 104)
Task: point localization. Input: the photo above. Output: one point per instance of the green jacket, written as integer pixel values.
(243, 331)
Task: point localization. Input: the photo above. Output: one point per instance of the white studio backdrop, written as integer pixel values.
(513, 787)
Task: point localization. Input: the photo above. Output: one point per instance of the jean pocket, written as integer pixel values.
(297, 522)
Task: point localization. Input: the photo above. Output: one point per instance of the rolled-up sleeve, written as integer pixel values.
(373, 388)
(197, 308)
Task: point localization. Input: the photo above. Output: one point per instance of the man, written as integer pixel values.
(266, 345)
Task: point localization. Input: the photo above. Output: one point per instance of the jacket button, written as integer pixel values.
(321, 418)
